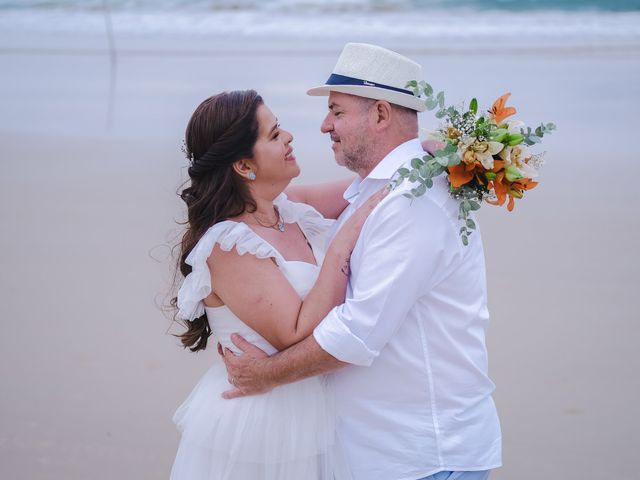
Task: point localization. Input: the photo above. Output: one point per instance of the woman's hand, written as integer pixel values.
(431, 146)
(346, 238)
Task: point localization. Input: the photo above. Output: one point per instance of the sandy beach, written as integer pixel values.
(89, 371)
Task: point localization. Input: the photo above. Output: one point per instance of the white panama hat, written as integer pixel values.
(373, 72)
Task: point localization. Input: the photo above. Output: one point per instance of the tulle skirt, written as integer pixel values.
(285, 434)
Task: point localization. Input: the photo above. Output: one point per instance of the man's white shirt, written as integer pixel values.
(417, 398)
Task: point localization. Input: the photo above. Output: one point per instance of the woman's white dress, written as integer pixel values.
(285, 434)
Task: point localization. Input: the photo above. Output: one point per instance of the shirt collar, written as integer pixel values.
(386, 167)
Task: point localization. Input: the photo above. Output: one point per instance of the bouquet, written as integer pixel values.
(483, 155)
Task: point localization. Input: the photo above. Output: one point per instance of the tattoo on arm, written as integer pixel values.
(345, 269)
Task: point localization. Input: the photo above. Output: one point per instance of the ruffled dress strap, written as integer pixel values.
(197, 284)
(315, 227)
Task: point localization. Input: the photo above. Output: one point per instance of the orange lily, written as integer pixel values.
(503, 189)
(463, 173)
(498, 109)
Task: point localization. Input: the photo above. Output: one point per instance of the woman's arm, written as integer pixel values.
(259, 294)
(327, 198)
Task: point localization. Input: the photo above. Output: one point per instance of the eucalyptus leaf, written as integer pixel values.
(428, 90)
(471, 224)
(404, 172)
(428, 183)
(474, 205)
(444, 161)
(420, 190)
(450, 148)
(416, 162)
(465, 240)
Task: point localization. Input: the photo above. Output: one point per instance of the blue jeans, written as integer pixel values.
(483, 475)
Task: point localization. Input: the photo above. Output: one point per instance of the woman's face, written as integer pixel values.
(272, 154)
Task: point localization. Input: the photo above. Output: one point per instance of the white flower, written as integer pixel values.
(528, 171)
(514, 156)
(484, 152)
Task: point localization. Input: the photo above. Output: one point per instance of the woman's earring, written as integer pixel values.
(251, 175)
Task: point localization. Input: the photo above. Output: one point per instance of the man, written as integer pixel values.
(407, 347)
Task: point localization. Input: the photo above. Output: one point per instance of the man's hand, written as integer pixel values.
(246, 371)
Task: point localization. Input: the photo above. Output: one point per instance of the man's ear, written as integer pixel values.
(243, 168)
(383, 112)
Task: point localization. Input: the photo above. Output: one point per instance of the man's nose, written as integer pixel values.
(326, 126)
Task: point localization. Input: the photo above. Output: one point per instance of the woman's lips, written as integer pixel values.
(289, 157)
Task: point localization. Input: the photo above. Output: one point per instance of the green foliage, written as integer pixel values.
(425, 91)
(473, 106)
(531, 138)
(470, 201)
(423, 171)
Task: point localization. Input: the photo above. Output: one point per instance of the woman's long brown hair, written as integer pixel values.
(222, 130)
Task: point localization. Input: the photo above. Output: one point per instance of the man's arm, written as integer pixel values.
(254, 372)
(407, 249)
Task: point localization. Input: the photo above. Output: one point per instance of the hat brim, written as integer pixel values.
(375, 93)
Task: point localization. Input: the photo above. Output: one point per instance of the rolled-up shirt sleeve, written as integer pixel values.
(403, 250)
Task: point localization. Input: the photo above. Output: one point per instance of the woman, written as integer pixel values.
(250, 253)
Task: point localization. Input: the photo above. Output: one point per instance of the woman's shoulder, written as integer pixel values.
(227, 235)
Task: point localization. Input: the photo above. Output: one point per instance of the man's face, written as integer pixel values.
(348, 125)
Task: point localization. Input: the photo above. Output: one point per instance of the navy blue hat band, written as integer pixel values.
(338, 80)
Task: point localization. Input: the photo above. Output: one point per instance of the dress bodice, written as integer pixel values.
(230, 234)
(224, 322)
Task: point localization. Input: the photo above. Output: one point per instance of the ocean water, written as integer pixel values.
(530, 21)
(328, 5)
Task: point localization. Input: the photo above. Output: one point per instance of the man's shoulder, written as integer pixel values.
(436, 201)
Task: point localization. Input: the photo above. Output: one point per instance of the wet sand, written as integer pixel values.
(90, 373)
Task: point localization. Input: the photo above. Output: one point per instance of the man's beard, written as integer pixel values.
(357, 158)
